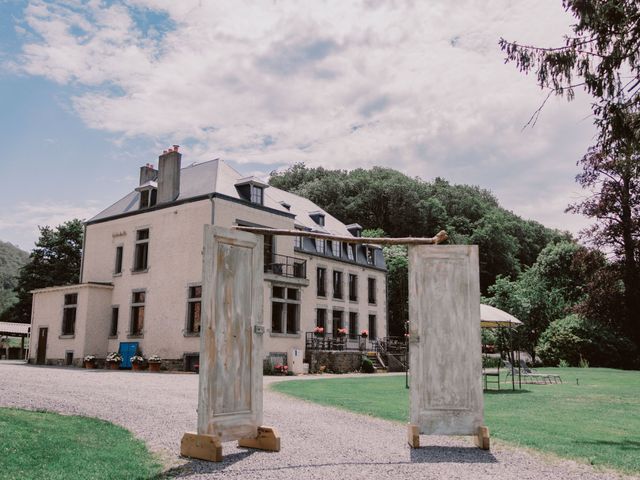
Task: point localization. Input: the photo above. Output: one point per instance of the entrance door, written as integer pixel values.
(127, 350)
(42, 345)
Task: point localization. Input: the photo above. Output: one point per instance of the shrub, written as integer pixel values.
(573, 339)
(367, 366)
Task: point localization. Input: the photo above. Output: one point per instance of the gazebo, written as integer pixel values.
(11, 329)
(494, 318)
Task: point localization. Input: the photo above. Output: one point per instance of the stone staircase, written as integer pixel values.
(377, 361)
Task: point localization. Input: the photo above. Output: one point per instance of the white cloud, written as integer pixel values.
(418, 86)
(22, 222)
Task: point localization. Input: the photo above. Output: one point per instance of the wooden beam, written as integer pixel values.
(440, 237)
(202, 447)
(482, 439)
(267, 439)
(413, 436)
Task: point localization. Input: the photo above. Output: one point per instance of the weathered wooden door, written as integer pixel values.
(42, 345)
(444, 339)
(230, 396)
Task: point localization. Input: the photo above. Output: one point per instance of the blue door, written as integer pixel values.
(127, 350)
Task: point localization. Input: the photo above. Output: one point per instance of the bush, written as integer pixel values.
(367, 366)
(575, 341)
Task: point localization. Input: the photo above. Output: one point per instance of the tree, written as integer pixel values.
(54, 261)
(616, 207)
(603, 52)
(11, 260)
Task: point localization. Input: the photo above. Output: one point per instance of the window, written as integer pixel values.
(268, 252)
(353, 325)
(337, 284)
(371, 255)
(69, 314)
(320, 245)
(148, 197)
(297, 242)
(142, 250)
(336, 248)
(353, 287)
(113, 329)
(257, 195)
(321, 318)
(194, 306)
(285, 310)
(321, 281)
(371, 283)
(137, 313)
(372, 327)
(337, 322)
(118, 267)
(351, 252)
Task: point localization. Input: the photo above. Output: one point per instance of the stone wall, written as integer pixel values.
(333, 361)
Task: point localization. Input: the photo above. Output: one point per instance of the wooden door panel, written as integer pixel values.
(444, 312)
(230, 396)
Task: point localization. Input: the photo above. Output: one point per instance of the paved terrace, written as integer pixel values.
(317, 442)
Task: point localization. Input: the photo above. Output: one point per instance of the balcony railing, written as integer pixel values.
(326, 341)
(287, 267)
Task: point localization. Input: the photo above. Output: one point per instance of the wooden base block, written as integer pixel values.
(482, 438)
(413, 436)
(267, 439)
(202, 447)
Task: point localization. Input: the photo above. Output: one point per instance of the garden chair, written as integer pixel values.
(526, 377)
(529, 371)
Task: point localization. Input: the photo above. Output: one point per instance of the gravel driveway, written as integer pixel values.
(317, 442)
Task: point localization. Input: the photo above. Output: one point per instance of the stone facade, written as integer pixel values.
(334, 361)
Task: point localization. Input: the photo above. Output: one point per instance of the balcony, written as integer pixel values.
(285, 266)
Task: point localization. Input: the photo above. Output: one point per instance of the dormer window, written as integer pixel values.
(251, 189)
(257, 195)
(148, 194)
(317, 217)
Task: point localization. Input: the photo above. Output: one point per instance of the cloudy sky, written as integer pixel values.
(92, 90)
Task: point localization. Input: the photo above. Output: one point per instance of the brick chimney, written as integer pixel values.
(169, 175)
(148, 174)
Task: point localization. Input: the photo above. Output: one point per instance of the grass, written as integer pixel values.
(596, 421)
(41, 445)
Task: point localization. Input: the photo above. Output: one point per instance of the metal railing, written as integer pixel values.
(326, 341)
(286, 266)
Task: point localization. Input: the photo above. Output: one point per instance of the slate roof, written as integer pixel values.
(217, 176)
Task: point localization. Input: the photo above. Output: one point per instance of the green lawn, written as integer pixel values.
(597, 421)
(39, 445)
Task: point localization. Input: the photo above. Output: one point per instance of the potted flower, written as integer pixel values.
(113, 360)
(319, 331)
(90, 361)
(137, 362)
(281, 369)
(342, 332)
(364, 333)
(154, 363)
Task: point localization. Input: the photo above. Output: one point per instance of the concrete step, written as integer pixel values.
(381, 370)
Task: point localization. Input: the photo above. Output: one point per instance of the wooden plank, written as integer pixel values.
(413, 436)
(445, 357)
(267, 439)
(482, 438)
(440, 237)
(230, 394)
(203, 447)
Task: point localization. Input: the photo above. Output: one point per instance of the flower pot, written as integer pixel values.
(154, 366)
(113, 365)
(136, 366)
(91, 364)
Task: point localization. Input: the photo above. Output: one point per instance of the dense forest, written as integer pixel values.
(568, 296)
(11, 260)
